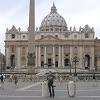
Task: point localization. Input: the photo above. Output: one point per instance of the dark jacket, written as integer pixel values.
(51, 79)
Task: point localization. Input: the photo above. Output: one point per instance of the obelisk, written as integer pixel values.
(31, 37)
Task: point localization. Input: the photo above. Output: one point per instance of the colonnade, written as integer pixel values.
(53, 57)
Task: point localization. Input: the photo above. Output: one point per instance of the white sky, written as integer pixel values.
(76, 13)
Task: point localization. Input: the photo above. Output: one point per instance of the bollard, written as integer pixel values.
(45, 89)
(71, 88)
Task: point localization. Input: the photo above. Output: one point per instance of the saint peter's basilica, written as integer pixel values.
(53, 45)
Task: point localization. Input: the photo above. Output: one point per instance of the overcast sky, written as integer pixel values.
(76, 13)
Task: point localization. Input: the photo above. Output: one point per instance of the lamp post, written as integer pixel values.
(75, 59)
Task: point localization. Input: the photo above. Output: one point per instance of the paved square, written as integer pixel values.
(33, 91)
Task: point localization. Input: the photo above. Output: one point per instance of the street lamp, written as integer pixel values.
(75, 59)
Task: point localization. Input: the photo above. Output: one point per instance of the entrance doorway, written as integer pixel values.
(42, 64)
(56, 64)
(66, 62)
(49, 62)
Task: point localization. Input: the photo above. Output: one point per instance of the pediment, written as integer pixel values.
(13, 30)
(49, 38)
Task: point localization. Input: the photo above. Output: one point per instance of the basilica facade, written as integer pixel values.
(52, 45)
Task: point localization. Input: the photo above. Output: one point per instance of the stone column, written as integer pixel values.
(26, 56)
(80, 56)
(18, 57)
(7, 56)
(62, 56)
(59, 59)
(39, 56)
(36, 55)
(92, 59)
(53, 56)
(71, 54)
(83, 58)
(45, 54)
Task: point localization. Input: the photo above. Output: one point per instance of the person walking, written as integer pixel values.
(11, 78)
(15, 80)
(50, 79)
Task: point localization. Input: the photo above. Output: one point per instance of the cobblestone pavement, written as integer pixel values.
(33, 91)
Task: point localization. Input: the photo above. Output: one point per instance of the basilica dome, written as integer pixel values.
(53, 22)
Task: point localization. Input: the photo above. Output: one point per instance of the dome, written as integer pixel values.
(53, 21)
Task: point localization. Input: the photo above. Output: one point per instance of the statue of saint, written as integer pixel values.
(86, 64)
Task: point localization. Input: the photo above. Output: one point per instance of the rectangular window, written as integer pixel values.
(13, 36)
(86, 36)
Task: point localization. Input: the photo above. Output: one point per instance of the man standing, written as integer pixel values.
(51, 86)
(15, 80)
(2, 81)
